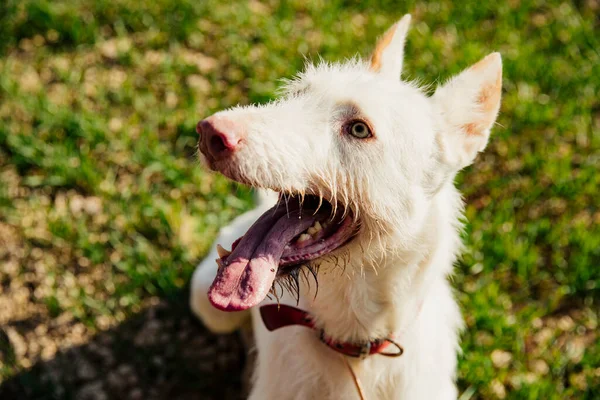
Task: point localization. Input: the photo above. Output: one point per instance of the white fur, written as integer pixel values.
(391, 279)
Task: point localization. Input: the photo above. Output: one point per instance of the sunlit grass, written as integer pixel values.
(103, 205)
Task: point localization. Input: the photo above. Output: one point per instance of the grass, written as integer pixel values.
(104, 208)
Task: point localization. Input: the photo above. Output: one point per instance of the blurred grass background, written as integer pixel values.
(104, 210)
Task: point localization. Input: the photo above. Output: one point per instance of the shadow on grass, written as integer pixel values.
(161, 353)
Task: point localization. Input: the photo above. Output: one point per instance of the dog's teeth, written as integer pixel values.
(316, 228)
(222, 252)
(304, 237)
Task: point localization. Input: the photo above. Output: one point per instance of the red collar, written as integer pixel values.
(277, 316)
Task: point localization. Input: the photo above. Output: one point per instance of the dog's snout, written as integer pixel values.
(219, 137)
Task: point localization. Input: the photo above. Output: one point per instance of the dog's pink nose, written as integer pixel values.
(219, 137)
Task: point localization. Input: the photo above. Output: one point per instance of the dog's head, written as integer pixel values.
(356, 153)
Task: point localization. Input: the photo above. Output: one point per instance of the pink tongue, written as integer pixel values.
(249, 271)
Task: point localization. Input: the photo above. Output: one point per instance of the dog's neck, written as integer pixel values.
(359, 304)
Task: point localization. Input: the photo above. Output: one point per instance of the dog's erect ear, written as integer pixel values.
(389, 52)
(467, 106)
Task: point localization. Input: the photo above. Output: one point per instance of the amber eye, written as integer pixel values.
(359, 130)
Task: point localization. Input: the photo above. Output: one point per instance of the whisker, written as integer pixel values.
(313, 270)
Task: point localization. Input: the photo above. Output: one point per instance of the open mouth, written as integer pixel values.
(288, 235)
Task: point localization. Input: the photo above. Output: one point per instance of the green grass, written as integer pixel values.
(103, 206)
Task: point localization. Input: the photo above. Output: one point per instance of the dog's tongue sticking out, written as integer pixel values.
(247, 274)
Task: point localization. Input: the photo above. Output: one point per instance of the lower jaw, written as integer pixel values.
(285, 270)
(309, 266)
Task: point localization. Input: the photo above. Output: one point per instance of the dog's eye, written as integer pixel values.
(359, 130)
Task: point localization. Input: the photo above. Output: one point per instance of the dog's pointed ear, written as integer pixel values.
(388, 55)
(467, 107)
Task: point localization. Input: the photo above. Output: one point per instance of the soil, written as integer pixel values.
(161, 353)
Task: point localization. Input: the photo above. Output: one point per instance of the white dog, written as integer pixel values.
(364, 234)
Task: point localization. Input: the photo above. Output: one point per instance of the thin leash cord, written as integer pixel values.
(355, 379)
